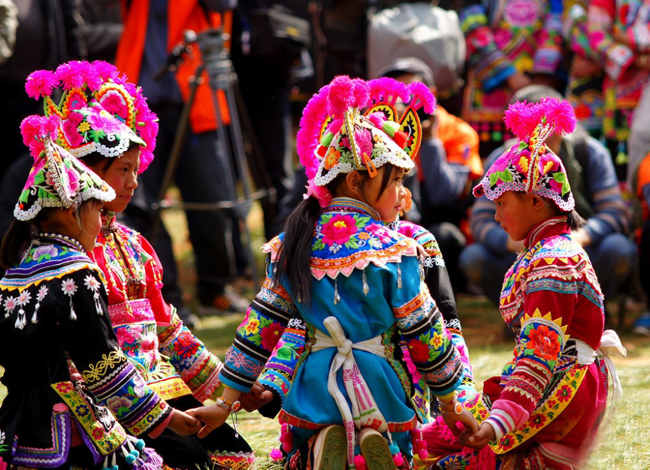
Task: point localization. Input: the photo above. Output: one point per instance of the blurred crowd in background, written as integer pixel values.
(477, 57)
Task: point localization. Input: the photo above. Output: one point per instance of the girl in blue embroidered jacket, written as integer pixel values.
(355, 284)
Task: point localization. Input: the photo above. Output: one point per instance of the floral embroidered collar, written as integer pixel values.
(49, 257)
(109, 219)
(551, 226)
(349, 235)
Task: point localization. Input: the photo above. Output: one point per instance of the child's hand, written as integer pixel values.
(479, 439)
(258, 396)
(184, 424)
(465, 417)
(212, 416)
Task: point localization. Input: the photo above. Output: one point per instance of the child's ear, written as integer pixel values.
(354, 182)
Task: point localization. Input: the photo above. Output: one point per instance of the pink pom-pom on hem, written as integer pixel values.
(360, 462)
(276, 454)
(40, 84)
(423, 454)
(398, 459)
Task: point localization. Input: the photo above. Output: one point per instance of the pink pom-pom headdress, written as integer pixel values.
(529, 165)
(352, 124)
(99, 110)
(57, 179)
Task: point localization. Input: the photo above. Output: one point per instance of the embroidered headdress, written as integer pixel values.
(100, 111)
(352, 124)
(529, 165)
(57, 179)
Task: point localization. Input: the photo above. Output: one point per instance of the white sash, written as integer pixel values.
(365, 412)
(610, 345)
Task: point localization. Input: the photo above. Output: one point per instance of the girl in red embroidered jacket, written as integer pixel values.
(545, 408)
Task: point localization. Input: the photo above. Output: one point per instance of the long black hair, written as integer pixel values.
(19, 235)
(295, 255)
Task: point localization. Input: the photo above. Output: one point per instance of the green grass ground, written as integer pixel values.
(624, 443)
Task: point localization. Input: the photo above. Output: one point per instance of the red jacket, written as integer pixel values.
(182, 15)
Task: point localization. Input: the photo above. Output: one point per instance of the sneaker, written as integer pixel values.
(642, 325)
(228, 302)
(374, 449)
(330, 449)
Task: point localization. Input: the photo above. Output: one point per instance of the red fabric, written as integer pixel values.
(117, 291)
(182, 15)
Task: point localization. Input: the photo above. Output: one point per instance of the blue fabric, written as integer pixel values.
(445, 182)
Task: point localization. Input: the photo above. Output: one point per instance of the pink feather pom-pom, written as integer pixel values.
(31, 128)
(398, 459)
(105, 70)
(361, 93)
(360, 462)
(560, 114)
(89, 74)
(377, 119)
(423, 454)
(312, 119)
(422, 97)
(51, 126)
(388, 90)
(276, 454)
(522, 118)
(341, 96)
(69, 75)
(36, 147)
(40, 84)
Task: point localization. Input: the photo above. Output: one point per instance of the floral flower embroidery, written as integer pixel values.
(42, 292)
(252, 327)
(82, 410)
(436, 340)
(538, 421)
(98, 433)
(91, 283)
(380, 232)
(544, 342)
(69, 287)
(10, 305)
(24, 298)
(115, 403)
(419, 351)
(507, 442)
(44, 252)
(339, 229)
(270, 335)
(565, 393)
(64, 387)
(138, 386)
(332, 158)
(83, 127)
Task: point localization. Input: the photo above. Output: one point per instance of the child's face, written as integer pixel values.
(390, 202)
(516, 214)
(122, 176)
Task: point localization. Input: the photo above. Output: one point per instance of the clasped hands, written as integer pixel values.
(472, 435)
(213, 416)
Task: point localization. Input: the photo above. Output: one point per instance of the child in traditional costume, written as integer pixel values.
(356, 285)
(545, 408)
(107, 123)
(64, 369)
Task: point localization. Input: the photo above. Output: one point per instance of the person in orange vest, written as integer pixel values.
(152, 28)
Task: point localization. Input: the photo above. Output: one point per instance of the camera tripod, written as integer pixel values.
(221, 77)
